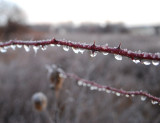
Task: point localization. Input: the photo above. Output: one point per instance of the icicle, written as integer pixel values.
(118, 57)
(155, 62)
(75, 50)
(19, 46)
(27, 49)
(81, 51)
(143, 98)
(13, 47)
(93, 54)
(35, 48)
(66, 48)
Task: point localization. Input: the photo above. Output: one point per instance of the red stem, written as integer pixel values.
(93, 48)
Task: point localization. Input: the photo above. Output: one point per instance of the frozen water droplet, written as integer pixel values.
(84, 84)
(93, 54)
(92, 88)
(81, 51)
(133, 95)
(3, 50)
(136, 61)
(27, 49)
(35, 48)
(146, 62)
(75, 50)
(58, 45)
(52, 45)
(155, 62)
(19, 46)
(99, 89)
(154, 102)
(143, 98)
(103, 89)
(118, 94)
(108, 91)
(105, 53)
(13, 47)
(118, 57)
(80, 82)
(66, 48)
(44, 48)
(88, 85)
(127, 95)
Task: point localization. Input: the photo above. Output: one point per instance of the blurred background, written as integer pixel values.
(135, 24)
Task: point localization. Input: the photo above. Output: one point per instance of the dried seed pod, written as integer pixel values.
(39, 101)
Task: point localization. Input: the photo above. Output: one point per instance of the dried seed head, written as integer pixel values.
(39, 101)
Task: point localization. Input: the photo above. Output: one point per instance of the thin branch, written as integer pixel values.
(136, 56)
(94, 86)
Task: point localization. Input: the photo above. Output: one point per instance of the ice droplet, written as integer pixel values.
(13, 47)
(52, 45)
(88, 85)
(3, 50)
(92, 88)
(66, 48)
(108, 91)
(146, 62)
(136, 61)
(99, 89)
(154, 102)
(84, 84)
(58, 45)
(75, 50)
(118, 57)
(93, 54)
(105, 53)
(35, 48)
(81, 51)
(27, 49)
(155, 62)
(80, 82)
(127, 95)
(19, 46)
(143, 98)
(118, 94)
(44, 48)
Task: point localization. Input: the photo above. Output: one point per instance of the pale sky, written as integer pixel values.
(131, 12)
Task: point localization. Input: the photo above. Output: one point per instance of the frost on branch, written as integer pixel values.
(136, 56)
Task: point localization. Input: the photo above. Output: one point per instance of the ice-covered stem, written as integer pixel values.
(94, 86)
(137, 55)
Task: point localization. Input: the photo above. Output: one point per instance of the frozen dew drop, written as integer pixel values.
(80, 82)
(108, 91)
(19, 46)
(3, 50)
(13, 47)
(118, 57)
(154, 102)
(146, 62)
(127, 95)
(92, 88)
(84, 84)
(93, 54)
(103, 89)
(105, 53)
(81, 51)
(118, 94)
(75, 50)
(143, 98)
(35, 48)
(88, 85)
(66, 48)
(44, 48)
(58, 45)
(27, 49)
(133, 95)
(155, 62)
(99, 89)
(136, 61)
(52, 45)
